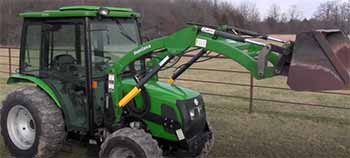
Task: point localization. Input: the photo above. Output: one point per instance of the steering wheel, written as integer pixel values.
(64, 62)
(101, 65)
(107, 59)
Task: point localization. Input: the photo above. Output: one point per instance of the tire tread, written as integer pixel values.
(52, 131)
(140, 137)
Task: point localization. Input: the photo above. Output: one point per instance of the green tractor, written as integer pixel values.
(96, 81)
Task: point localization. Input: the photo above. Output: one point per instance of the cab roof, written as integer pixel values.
(81, 11)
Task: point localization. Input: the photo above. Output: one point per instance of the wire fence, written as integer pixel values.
(9, 56)
(7, 59)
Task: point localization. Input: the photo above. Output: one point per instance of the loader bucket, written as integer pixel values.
(321, 61)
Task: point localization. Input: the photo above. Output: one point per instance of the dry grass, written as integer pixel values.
(274, 130)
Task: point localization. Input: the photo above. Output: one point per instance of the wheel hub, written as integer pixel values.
(21, 127)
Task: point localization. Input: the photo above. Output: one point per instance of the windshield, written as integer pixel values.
(113, 38)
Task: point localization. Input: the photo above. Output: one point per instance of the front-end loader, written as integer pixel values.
(96, 81)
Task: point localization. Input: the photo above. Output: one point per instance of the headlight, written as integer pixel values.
(192, 114)
(103, 11)
(197, 109)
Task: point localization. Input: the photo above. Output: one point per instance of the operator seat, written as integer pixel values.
(62, 63)
(65, 69)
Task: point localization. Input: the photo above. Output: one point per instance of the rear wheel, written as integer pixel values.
(130, 143)
(31, 124)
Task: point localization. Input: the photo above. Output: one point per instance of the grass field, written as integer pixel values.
(272, 131)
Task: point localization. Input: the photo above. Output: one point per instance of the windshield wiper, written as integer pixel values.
(123, 32)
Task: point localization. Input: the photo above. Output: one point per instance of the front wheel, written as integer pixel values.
(31, 124)
(209, 144)
(130, 143)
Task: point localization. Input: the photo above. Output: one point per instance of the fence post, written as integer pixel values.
(251, 97)
(10, 62)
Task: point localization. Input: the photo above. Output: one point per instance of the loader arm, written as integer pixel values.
(245, 52)
(177, 44)
(321, 54)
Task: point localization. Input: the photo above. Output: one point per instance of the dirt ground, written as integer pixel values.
(272, 131)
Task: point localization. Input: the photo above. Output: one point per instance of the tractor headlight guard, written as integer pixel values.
(193, 115)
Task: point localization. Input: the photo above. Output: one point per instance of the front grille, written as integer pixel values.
(192, 125)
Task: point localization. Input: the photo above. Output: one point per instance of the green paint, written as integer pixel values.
(81, 11)
(16, 78)
(161, 94)
(172, 44)
(74, 120)
(179, 42)
(245, 59)
(94, 8)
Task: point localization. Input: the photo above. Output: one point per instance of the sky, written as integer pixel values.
(308, 7)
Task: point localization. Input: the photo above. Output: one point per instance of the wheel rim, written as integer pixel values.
(21, 127)
(122, 153)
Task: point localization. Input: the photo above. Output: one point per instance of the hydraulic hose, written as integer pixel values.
(147, 105)
(137, 89)
(186, 66)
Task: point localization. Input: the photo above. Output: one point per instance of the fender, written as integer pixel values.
(17, 78)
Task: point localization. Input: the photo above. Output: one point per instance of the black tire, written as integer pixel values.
(208, 145)
(47, 120)
(128, 142)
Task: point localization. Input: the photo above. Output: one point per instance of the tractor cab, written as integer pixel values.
(84, 59)
(72, 48)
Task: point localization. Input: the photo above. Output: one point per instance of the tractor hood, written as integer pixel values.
(163, 91)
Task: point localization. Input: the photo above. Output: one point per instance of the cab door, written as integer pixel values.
(54, 50)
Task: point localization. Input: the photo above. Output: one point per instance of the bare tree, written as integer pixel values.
(2, 18)
(162, 17)
(328, 12)
(273, 19)
(251, 13)
(294, 13)
(345, 16)
(274, 13)
(334, 14)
